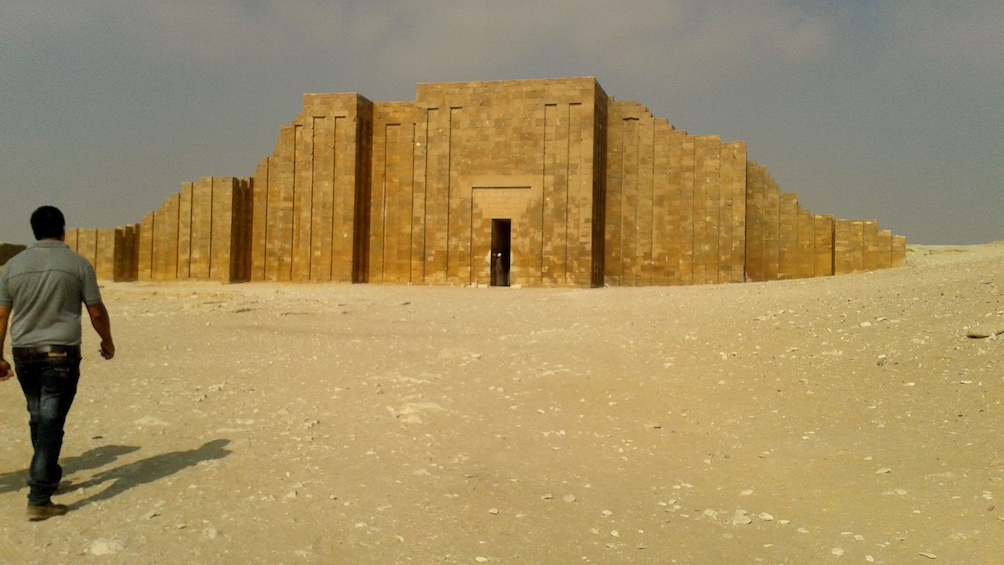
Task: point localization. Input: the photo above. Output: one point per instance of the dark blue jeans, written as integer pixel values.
(49, 385)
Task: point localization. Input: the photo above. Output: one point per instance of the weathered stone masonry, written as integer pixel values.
(564, 184)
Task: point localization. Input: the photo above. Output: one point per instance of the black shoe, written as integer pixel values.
(45, 511)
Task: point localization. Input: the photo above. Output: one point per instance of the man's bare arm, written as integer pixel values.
(103, 325)
(5, 371)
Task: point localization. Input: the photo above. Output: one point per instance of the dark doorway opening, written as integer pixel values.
(501, 247)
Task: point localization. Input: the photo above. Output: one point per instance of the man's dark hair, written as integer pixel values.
(47, 222)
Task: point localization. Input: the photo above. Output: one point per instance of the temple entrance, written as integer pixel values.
(501, 248)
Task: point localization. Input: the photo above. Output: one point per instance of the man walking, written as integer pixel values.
(41, 290)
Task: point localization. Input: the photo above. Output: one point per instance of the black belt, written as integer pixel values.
(46, 351)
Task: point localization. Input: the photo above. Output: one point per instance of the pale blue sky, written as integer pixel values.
(886, 110)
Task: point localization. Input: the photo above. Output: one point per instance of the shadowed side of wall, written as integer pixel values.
(8, 250)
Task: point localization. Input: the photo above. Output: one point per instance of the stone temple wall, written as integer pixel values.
(111, 251)
(464, 154)
(308, 220)
(200, 233)
(564, 184)
(676, 208)
(685, 209)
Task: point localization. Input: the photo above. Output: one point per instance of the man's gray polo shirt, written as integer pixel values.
(44, 286)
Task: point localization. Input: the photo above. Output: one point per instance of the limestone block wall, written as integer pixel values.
(397, 237)
(200, 233)
(784, 241)
(675, 203)
(466, 153)
(861, 246)
(823, 227)
(111, 251)
(309, 220)
(683, 209)
(576, 188)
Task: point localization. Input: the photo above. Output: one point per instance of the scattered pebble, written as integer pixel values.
(983, 332)
(102, 546)
(741, 518)
(928, 555)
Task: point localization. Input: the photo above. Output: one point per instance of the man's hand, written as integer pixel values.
(107, 349)
(5, 371)
(102, 325)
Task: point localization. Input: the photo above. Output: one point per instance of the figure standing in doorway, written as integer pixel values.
(498, 271)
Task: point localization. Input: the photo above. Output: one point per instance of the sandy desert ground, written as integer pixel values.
(835, 420)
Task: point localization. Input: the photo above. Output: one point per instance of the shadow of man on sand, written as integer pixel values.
(149, 470)
(91, 459)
